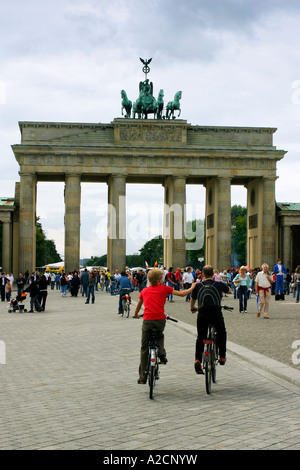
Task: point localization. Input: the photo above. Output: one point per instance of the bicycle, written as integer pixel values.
(210, 354)
(152, 371)
(126, 302)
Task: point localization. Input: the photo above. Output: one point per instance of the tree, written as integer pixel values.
(46, 252)
(238, 233)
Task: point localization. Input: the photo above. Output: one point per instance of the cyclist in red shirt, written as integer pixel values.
(154, 299)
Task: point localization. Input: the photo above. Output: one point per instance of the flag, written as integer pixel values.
(146, 264)
(155, 264)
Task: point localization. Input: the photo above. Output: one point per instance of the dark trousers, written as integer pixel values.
(42, 298)
(146, 326)
(203, 321)
(242, 293)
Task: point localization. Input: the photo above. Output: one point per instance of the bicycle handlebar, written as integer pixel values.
(172, 319)
(167, 318)
(221, 306)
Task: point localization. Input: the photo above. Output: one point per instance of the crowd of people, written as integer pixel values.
(243, 282)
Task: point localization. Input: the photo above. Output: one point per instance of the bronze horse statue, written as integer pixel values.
(126, 104)
(174, 105)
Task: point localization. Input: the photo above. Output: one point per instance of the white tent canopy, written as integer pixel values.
(53, 265)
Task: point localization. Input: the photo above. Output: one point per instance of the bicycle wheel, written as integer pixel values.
(128, 309)
(124, 307)
(208, 369)
(214, 358)
(151, 379)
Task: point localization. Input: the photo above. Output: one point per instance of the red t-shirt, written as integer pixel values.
(154, 298)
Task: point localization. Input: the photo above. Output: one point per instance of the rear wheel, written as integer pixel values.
(208, 370)
(128, 309)
(151, 381)
(124, 307)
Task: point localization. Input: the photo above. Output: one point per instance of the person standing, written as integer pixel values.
(279, 270)
(170, 281)
(3, 284)
(297, 283)
(187, 281)
(63, 285)
(84, 282)
(244, 282)
(43, 284)
(263, 285)
(91, 288)
(20, 281)
(33, 290)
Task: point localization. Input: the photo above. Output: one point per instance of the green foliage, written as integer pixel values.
(45, 249)
(239, 233)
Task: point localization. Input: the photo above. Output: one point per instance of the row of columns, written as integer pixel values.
(261, 239)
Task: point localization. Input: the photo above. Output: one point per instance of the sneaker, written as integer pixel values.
(198, 367)
(141, 381)
(222, 361)
(163, 360)
(245, 311)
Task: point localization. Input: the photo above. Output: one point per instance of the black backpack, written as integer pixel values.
(208, 296)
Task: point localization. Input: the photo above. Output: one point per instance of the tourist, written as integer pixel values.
(63, 285)
(244, 282)
(297, 283)
(187, 281)
(52, 280)
(123, 282)
(20, 281)
(75, 284)
(43, 284)
(33, 290)
(170, 281)
(217, 276)
(178, 278)
(263, 283)
(57, 279)
(91, 288)
(84, 282)
(3, 283)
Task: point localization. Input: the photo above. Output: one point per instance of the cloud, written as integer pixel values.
(235, 61)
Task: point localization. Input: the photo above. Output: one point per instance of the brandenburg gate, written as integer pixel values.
(167, 151)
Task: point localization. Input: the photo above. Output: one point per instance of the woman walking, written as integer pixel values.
(263, 285)
(244, 282)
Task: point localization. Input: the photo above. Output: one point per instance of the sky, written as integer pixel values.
(236, 62)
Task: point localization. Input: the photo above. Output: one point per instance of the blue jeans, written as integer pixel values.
(64, 289)
(90, 290)
(298, 291)
(242, 293)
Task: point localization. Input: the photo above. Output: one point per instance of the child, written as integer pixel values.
(154, 299)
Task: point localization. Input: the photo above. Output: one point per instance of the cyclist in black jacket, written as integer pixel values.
(209, 315)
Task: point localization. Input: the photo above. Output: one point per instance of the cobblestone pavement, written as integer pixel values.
(69, 381)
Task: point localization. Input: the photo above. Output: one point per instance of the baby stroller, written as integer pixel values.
(16, 305)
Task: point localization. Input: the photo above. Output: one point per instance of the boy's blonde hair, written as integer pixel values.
(154, 276)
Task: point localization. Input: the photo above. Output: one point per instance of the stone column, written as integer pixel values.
(286, 243)
(268, 222)
(174, 222)
(224, 223)
(27, 223)
(6, 244)
(116, 230)
(218, 222)
(72, 222)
